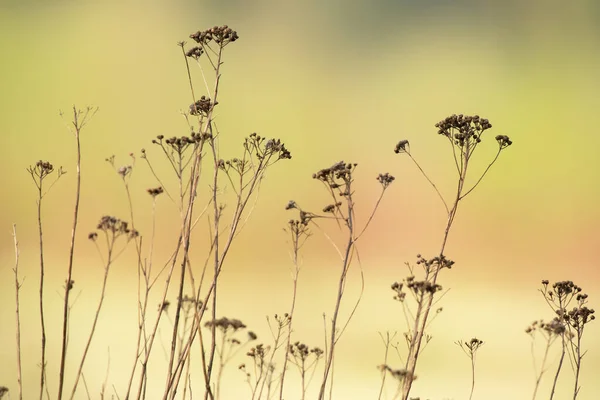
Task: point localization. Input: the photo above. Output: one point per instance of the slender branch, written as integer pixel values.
(17, 312)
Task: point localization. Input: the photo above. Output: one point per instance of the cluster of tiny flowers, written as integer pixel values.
(504, 141)
(402, 147)
(221, 35)
(124, 170)
(422, 287)
(385, 179)
(435, 262)
(331, 207)
(472, 345)
(155, 191)
(301, 352)
(263, 148)
(338, 176)
(114, 226)
(463, 130)
(580, 316)
(298, 228)
(258, 352)
(555, 327)
(179, 144)
(561, 289)
(236, 164)
(42, 169)
(203, 106)
(225, 324)
(398, 288)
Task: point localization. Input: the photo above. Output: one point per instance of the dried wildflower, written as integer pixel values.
(252, 336)
(124, 170)
(40, 171)
(301, 352)
(402, 147)
(259, 352)
(225, 324)
(385, 179)
(465, 131)
(3, 391)
(291, 204)
(222, 35)
(266, 149)
(471, 346)
(400, 294)
(504, 141)
(93, 236)
(155, 191)
(202, 107)
(194, 52)
(116, 227)
(329, 208)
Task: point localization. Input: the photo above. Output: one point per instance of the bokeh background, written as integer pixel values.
(335, 80)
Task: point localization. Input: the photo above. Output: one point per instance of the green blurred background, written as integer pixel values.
(335, 80)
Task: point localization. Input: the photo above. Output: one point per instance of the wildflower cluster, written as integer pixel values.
(41, 169)
(434, 264)
(222, 35)
(155, 191)
(256, 144)
(202, 107)
(115, 227)
(338, 176)
(179, 144)
(550, 329)
(402, 147)
(463, 130)
(225, 324)
(385, 179)
(470, 347)
(301, 352)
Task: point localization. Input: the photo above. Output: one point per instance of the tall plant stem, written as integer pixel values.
(68, 284)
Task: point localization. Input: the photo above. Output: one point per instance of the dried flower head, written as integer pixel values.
(155, 191)
(222, 35)
(194, 52)
(202, 107)
(402, 147)
(115, 227)
(225, 324)
(385, 179)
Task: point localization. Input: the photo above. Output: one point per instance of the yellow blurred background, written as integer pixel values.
(334, 80)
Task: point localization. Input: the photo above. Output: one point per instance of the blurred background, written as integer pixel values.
(335, 80)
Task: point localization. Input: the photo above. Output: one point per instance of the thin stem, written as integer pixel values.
(78, 125)
(96, 316)
(41, 290)
(430, 182)
(17, 312)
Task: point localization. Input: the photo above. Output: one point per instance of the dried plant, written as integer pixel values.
(192, 317)
(305, 359)
(338, 182)
(299, 233)
(464, 133)
(568, 325)
(551, 331)
(39, 174)
(470, 349)
(80, 120)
